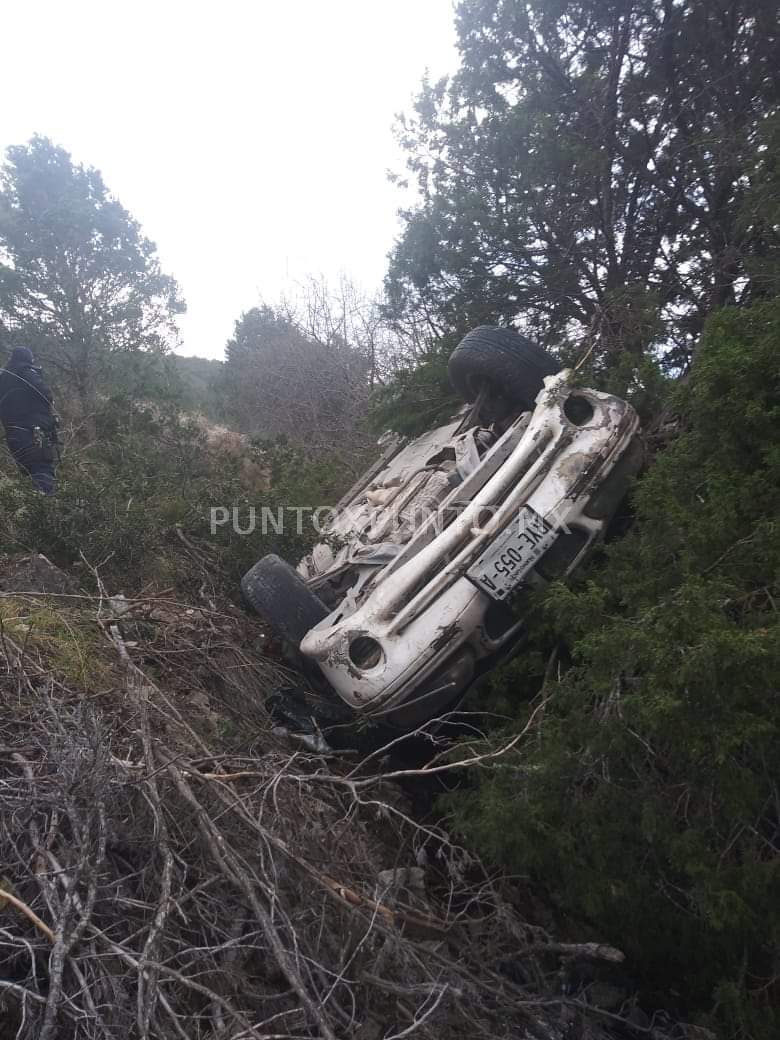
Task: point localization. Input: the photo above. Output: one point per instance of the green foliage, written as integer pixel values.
(299, 482)
(646, 796)
(307, 383)
(79, 283)
(199, 379)
(418, 396)
(759, 216)
(151, 476)
(70, 643)
(593, 171)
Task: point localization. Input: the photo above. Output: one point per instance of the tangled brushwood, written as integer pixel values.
(169, 868)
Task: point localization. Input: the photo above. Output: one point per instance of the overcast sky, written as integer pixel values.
(251, 138)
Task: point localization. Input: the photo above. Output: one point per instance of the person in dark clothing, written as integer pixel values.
(28, 418)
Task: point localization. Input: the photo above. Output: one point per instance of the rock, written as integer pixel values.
(402, 877)
(34, 573)
(119, 604)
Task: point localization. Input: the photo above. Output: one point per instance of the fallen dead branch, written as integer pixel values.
(23, 908)
(202, 881)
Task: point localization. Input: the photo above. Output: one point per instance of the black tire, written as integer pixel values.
(509, 365)
(281, 597)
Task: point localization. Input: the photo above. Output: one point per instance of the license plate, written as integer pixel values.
(504, 564)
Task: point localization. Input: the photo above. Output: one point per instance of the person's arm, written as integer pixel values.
(32, 376)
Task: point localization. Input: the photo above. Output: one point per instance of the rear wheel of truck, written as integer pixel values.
(282, 598)
(509, 368)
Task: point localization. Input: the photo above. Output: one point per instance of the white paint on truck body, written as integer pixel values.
(404, 542)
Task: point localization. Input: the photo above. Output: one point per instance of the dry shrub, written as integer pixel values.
(173, 870)
(224, 443)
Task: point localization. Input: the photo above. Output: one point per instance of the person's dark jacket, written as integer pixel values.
(25, 400)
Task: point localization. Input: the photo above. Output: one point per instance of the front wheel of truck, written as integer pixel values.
(277, 592)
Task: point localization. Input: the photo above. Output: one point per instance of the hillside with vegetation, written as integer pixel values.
(602, 858)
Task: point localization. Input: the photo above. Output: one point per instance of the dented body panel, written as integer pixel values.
(407, 561)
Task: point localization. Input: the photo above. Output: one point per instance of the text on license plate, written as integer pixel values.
(505, 562)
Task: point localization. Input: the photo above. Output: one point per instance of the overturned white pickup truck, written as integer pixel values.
(411, 595)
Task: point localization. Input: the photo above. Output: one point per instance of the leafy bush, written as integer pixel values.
(418, 396)
(125, 501)
(646, 795)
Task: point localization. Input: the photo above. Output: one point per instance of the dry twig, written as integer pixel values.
(201, 888)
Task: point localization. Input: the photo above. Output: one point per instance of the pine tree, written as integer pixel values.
(645, 799)
(585, 173)
(79, 282)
